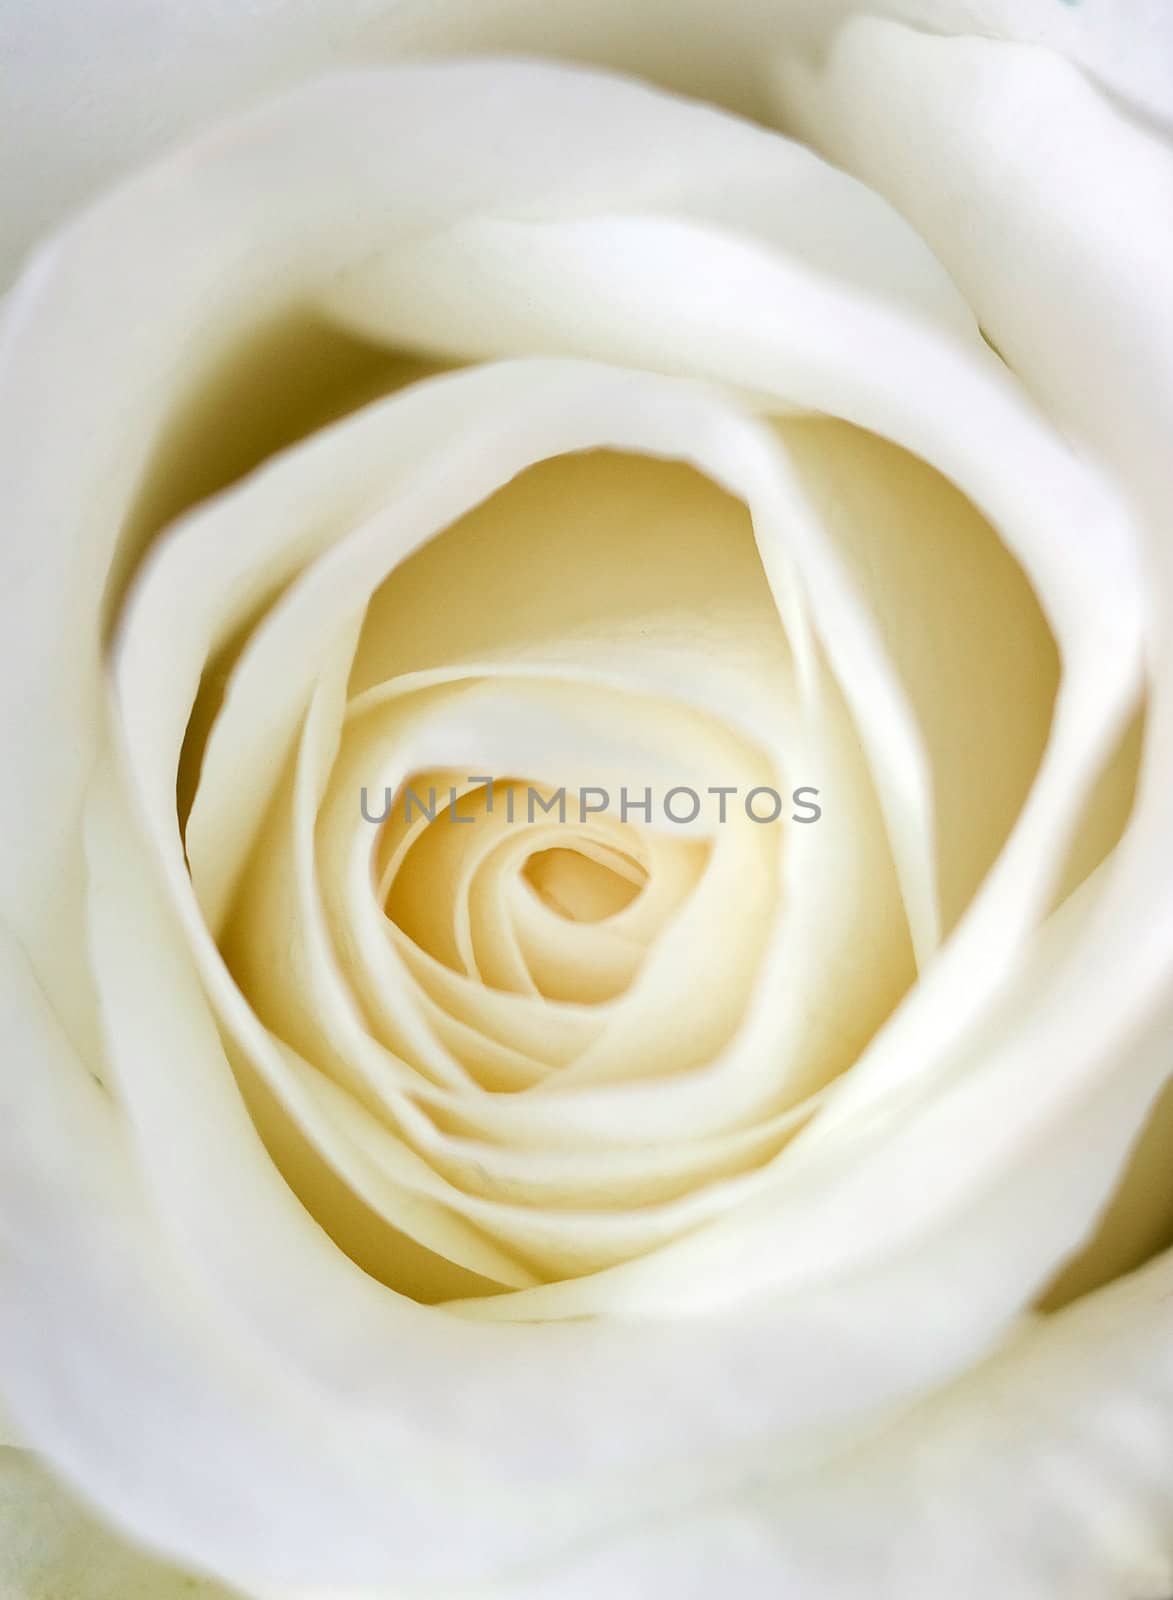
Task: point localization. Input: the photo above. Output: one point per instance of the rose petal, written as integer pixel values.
(82, 107)
(50, 1545)
(1043, 1472)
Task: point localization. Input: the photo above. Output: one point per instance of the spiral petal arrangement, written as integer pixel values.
(568, 821)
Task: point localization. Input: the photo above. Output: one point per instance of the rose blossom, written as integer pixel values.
(581, 1198)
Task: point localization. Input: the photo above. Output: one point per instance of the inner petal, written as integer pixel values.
(585, 885)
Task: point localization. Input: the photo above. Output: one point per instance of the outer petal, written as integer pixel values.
(1042, 1474)
(50, 1546)
(1051, 209)
(80, 104)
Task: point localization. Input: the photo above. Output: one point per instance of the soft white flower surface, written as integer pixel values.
(520, 1194)
(83, 104)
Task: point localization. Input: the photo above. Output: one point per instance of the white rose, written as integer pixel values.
(762, 1203)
